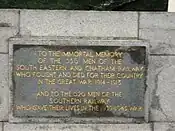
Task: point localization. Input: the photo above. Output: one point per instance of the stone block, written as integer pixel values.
(21, 98)
(9, 18)
(4, 90)
(76, 127)
(161, 81)
(161, 41)
(164, 127)
(157, 20)
(5, 34)
(79, 23)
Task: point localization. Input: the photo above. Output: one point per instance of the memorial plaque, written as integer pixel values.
(59, 81)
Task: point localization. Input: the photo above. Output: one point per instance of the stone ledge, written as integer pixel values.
(164, 126)
(78, 23)
(75, 127)
(4, 90)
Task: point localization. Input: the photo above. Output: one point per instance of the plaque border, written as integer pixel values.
(77, 42)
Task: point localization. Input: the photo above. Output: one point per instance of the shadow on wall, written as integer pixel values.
(103, 5)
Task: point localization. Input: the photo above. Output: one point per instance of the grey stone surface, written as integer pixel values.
(1, 126)
(161, 81)
(5, 34)
(75, 127)
(9, 26)
(79, 23)
(164, 126)
(4, 90)
(161, 41)
(9, 18)
(159, 29)
(158, 20)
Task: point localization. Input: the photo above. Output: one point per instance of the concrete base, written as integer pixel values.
(57, 127)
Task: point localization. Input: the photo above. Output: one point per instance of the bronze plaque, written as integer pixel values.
(79, 81)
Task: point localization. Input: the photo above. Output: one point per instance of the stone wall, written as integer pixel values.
(157, 27)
